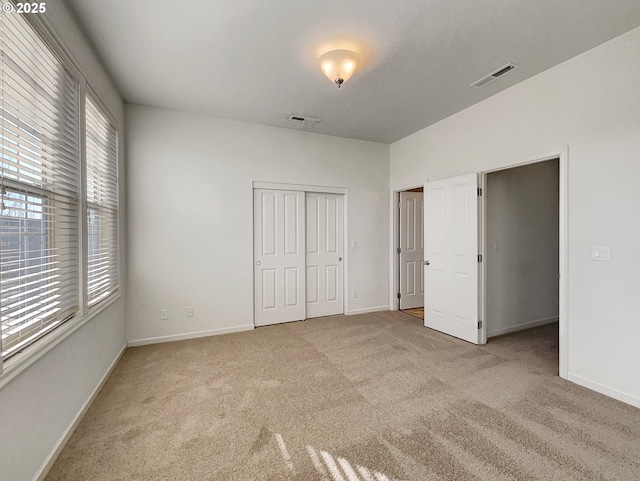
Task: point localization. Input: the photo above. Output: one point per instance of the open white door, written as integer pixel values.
(279, 256)
(451, 256)
(411, 250)
(324, 246)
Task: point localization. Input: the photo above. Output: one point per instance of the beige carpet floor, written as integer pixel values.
(373, 397)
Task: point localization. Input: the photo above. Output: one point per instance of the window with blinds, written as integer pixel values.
(39, 169)
(102, 205)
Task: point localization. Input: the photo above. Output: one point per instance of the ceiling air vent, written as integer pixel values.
(494, 75)
(304, 120)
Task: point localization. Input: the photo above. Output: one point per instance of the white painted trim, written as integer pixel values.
(531, 160)
(482, 246)
(563, 267)
(191, 335)
(346, 298)
(321, 189)
(41, 474)
(394, 221)
(522, 327)
(83, 224)
(606, 390)
(403, 187)
(366, 310)
(21, 361)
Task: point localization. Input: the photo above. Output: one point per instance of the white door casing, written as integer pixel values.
(279, 256)
(324, 254)
(411, 250)
(451, 251)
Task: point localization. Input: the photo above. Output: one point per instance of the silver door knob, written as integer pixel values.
(258, 263)
(340, 259)
(426, 263)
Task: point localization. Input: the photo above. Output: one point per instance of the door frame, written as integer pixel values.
(320, 189)
(394, 243)
(563, 264)
(563, 268)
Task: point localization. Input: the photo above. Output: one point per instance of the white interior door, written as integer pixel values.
(451, 256)
(324, 249)
(411, 250)
(279, 256)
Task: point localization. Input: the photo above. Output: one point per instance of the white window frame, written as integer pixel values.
(20, 361)
(89, 92)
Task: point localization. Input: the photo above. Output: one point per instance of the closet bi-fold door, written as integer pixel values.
(324, 259)
(279, 256)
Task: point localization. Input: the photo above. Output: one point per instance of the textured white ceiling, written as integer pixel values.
(255, 60)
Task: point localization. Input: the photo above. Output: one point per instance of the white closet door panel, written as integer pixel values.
(279, 256)
(324, 259)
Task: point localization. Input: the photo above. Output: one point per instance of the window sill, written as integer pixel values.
(21, 361)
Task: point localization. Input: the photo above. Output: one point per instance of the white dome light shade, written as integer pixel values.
(339, 65)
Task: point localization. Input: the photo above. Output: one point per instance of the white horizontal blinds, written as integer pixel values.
(39, 164)
(102, 205)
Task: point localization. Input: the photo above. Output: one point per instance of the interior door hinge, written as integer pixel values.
(479, 257)
(399, 205)
(399, 250)
(399, 296)
(479, 191)
(479, 324)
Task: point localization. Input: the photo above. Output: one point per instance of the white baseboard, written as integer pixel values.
(606, 390)
(367, 310)
(190, 335)
(41, 474)
(520, 327)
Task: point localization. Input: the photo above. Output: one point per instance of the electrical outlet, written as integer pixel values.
(354, 294)
(164, 314)
(189, 311)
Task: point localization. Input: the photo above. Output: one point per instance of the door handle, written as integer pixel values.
(426, 263)
(340, 259)
(258, 263)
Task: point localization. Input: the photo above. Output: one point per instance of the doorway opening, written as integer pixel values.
(522, 256)
(455, 244)
(410, 252)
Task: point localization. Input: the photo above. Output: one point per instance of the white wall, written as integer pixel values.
(190, 204)
(522, 219)
(592, 104)
(39, 404)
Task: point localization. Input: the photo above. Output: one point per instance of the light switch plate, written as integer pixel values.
(601, 253)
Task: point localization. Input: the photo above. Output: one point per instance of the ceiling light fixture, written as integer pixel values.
(339, 65)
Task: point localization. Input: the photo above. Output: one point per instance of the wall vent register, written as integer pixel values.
(494, 75)
(304, 120)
